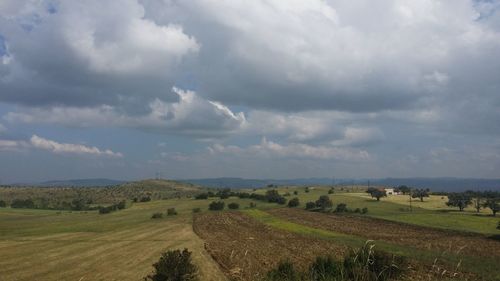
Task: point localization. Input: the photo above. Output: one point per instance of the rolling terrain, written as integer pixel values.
(240, 244)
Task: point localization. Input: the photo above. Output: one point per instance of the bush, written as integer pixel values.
(19, 203)
(216, 206)
(294, 202)
(295, 192)
(233, 206)
(145, 199)
(171, 212)
(310, 205)
(368, 264)
(3, 204)
(121, 205)
(357, 210)
(331, 191)
(284, 272)
(157, 216)
(174, 266)
(341, 208)
(498, 226)
(364, 210)
(252, 205)
(362, 265)
(325, 268)
(201, 196)
(105, 210)
(307, 190)
(324, 202)
(196, 210)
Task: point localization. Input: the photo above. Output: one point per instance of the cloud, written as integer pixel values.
(63, 148)
(86, 55)
(294, 150)
(190, 115)
(12, 145)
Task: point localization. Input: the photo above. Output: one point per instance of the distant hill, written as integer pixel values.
(79, 183)
(255, 183)
(435, 184)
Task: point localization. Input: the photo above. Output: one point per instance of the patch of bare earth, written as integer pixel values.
(398, 233)
(246, 249)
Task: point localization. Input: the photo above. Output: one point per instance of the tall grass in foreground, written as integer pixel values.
(365, 264)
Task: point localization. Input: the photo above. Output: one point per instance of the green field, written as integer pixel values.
(65, 245)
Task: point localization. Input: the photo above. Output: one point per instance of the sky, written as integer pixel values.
(254, 89)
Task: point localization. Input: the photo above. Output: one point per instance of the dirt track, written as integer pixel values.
(246, 249)
(398, 233)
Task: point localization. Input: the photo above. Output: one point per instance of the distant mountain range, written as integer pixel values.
(435, 184)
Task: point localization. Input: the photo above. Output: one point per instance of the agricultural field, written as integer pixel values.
(440, 242)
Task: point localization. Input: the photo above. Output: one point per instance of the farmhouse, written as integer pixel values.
(389, 191)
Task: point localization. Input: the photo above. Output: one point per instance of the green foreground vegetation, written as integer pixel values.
(122, 245)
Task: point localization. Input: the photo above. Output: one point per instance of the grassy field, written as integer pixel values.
(64, 245)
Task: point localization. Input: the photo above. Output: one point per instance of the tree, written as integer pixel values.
(403, 189)
(377, 193)
(460, 200)
(420, 193)
(3, 204)
(324, 202)
(174, 266)
(371, 190)
(233, 206)
(171, 212)
(216, 206)
(201, 196)
(341, 208)
(493, 205)
(294, 202)
(310, 205)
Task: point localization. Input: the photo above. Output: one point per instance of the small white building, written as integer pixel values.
(389, 191)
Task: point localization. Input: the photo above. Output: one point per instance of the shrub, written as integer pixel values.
(368, 264)
(121, 205)
(145, 199)
(216, 206)
(325, 268)
(201, 196)
(174, 266)
(252, 205)
(157, 216)
(341, 208)
(233, 206)
(294, 202)
(196, 210)
(243, 195)
(498, 226)
(135, 200)
(105, 210)
(324, 202)
(281, 200)
(171, 212)
(19, 203)
(357, 210)
(364, 210)
(331, 191)
(307, 190)
(284, 272)
(3, 204)
(310, 205)
(295, 192)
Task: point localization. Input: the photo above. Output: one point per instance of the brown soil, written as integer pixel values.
(399, 233)
(246, 249)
